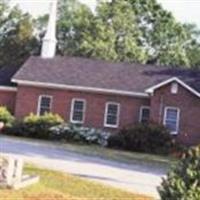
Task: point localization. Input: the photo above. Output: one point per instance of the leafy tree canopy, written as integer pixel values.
(74, 19)
(119, 30)
(168, 41)
(127, 30)
(105, 34)
(17, 40)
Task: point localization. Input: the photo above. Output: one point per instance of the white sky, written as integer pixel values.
(183, 10)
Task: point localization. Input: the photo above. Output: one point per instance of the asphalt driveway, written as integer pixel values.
(133, 178)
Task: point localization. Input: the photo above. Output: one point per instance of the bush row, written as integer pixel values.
(149, 138)
(52, 127)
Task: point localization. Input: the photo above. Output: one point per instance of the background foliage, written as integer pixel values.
(17, 38)
(121, 30)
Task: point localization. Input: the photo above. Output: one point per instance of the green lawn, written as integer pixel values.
(148, 160)
(59, 186)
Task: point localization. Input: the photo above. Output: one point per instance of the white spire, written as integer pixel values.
(49, 41)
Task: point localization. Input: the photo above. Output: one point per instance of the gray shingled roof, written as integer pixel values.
(78, 71)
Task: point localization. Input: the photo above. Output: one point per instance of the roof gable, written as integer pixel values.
(173, 79)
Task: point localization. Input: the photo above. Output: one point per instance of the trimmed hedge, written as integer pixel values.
(183, 180)
(149, 138)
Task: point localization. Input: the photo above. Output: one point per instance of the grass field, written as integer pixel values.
(59, 186)
(143, 159)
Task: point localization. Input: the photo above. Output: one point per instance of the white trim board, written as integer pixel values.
(81, 88)
(153, 88)
(8, 88)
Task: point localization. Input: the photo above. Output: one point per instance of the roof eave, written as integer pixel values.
(8, 88)
(80, 88)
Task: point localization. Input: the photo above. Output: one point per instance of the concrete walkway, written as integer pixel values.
(128, 177)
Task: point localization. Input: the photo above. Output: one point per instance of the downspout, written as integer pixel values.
(161, 109)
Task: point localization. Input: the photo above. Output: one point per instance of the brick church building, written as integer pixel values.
(103, 94)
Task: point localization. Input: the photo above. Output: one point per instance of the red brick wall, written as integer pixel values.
(7, 98)
(189, 111)
(189, 105)
(27, 99)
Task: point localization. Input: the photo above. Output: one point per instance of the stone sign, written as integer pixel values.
(11, 173)
(3, 171)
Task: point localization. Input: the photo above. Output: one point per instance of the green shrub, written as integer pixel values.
(117, 141)
(18, 128)
(183, 181)
(35, 126)
(74, 133)
(5, 116)
(47, 118)
(149, 138)
(38, 126)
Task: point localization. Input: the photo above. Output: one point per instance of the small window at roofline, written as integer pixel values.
(144, 114)
(174, 88)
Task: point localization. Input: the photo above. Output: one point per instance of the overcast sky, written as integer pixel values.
(184, 10)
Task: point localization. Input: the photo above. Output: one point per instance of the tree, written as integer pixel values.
(183, 181)
(17, 40)
(127, 30)
(119, 30)
(74, 19)
(168, 42)
(193, 45)
(114, 34)
(107, 34)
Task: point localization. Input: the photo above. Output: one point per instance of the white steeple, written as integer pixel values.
(49, 41)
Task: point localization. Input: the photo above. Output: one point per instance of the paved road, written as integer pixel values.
(132, 178)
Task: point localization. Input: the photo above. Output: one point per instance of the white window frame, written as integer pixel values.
(72, 111)
(178, 118)
(141, 109)
(106, 113)
(39, 103)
